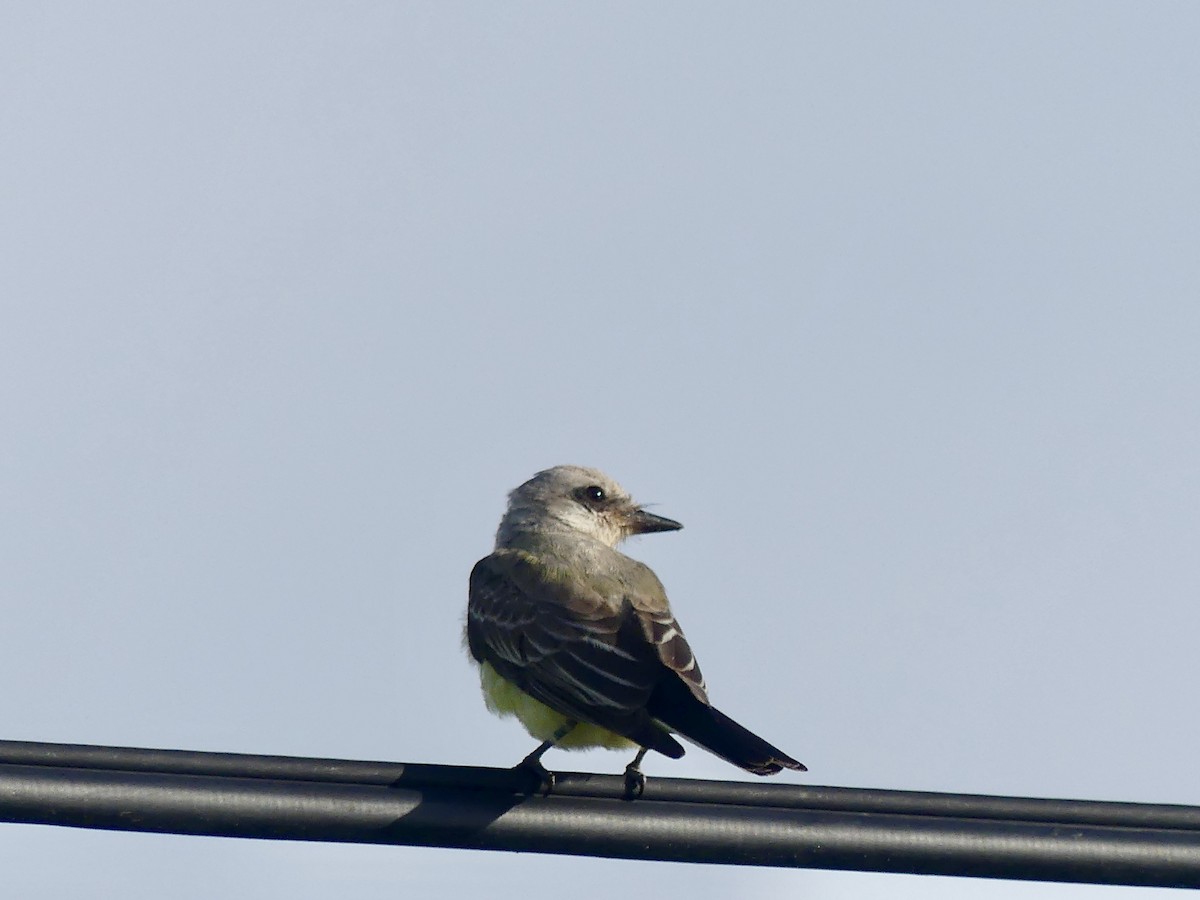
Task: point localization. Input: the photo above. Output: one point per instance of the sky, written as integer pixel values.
(894, 306)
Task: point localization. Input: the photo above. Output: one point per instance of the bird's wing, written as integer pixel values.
(578, 648)
(610, 653)
(660, 627)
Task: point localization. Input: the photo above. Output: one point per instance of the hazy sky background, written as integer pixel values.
(895, 306)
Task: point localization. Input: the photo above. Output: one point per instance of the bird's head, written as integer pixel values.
(586, 501)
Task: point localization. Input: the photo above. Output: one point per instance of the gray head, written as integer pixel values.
(579, 500)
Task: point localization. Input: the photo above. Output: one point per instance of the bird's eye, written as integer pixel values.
(594, 492)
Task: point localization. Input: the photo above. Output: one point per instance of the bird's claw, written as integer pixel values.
(635, 782)
(540, 779)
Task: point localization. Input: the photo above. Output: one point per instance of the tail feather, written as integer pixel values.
(716, 732)
(652, 736)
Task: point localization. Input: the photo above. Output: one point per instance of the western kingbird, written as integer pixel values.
(577, 640)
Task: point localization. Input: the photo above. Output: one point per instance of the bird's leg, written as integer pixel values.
(543, 778)
(635, 780)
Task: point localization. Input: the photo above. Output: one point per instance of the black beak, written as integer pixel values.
(642, 522)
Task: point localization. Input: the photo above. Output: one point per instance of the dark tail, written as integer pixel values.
(716, 732)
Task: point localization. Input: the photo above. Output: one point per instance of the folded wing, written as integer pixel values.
(565, 644)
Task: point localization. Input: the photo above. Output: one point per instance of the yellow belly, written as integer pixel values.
(506, 699)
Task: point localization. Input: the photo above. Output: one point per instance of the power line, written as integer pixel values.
(240, 795)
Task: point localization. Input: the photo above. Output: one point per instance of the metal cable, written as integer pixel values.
(242, 795)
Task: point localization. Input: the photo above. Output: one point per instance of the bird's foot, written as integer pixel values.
(540, 780)
(635, 782)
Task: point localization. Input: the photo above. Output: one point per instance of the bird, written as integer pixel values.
(577, 640)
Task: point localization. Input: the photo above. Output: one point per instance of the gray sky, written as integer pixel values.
(895, 306)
